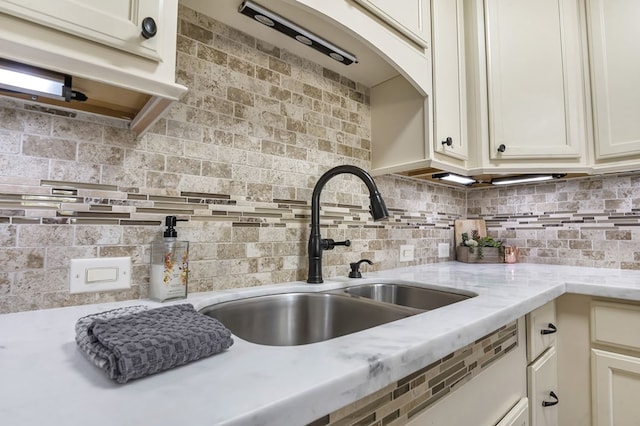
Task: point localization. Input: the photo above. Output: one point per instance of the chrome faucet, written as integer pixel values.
(317, 244)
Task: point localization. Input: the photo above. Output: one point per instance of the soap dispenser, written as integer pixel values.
(169, 265)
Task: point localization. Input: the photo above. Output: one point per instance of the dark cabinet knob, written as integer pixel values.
(502, 148)
(448, 141)
(553, 395)
(149, 27)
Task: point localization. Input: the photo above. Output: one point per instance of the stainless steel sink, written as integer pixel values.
(300, 318)
(407, 295)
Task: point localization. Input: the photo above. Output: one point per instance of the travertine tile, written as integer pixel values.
(257, 128)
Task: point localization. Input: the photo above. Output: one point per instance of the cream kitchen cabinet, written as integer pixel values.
(411, 19)
(116, 23)
(529, 87)
(616, 386)
(615, 363)
(472, 404)
(542, 372)
(449, 105)
(543, 381)
(413, 133)
(518, 415)
(614, 37)
(100, 44)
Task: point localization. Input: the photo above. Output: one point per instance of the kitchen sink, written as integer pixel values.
(300, 318)
(407, 295)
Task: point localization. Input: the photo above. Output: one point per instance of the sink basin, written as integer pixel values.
(407, 295)
(300, 318)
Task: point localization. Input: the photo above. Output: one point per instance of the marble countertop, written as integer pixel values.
(45, 379)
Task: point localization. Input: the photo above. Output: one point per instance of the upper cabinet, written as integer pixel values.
(415, 134)
(614, 36)
(518, 86)
(411, 19)
(120, 53)
(530, 111)
(449, 101)
(116, 23)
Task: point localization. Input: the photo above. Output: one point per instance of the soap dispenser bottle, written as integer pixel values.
(169, 265)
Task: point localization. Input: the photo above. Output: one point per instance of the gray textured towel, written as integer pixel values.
(134, 342)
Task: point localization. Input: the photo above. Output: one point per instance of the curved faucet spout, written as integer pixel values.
(378, 211)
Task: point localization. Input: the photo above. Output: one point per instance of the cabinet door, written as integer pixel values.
(543, 384)
(615, 76)
(517, 416)
(115, 23)
(536, 90)
(411, 18)
(616, 386)
(449, 89)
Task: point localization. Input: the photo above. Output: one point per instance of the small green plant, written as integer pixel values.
(477, 242)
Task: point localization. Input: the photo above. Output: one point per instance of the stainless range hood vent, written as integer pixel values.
(277, 22)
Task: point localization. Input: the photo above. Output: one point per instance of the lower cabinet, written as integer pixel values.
(542, 372)
(616, 386)
(542, 376)
(492, 397)
(615, 363)
(598, 361)
(517, 416)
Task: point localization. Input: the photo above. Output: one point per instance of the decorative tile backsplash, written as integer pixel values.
(591, 221)
(238, 158)
(397, 403)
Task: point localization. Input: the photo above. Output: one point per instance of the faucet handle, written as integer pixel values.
(329, 244)
(355, 268)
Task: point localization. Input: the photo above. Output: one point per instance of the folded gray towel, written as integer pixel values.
(134, 342)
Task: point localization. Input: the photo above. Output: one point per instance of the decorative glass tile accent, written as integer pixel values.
(413, 394)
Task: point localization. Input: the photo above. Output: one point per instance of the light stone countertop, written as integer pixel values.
(45, 379)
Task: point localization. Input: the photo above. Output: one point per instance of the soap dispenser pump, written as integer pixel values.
(169, 265)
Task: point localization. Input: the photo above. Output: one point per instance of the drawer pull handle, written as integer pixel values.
(447, 142)
(552, 329)
(553, 395)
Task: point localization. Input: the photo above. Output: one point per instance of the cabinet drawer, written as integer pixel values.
(612, 324)
(541, 330)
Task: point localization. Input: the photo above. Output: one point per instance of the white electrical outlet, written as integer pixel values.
(406, 253)
(99, 274)
(443, 250)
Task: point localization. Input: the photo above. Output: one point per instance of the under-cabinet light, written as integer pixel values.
(277, 22)
(452, 177)
(526, 179)
(37, 82)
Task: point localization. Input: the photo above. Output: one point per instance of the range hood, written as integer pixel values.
(381, 54)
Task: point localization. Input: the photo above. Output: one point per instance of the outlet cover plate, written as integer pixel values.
(99, 274)
(443, 250)
(407, 253)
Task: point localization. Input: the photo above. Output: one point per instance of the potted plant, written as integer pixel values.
(477, 249)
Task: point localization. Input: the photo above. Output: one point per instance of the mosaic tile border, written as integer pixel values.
(75, 203)
(397, 403)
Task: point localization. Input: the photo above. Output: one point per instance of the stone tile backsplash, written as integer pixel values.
(591, 221)
(238, 158)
